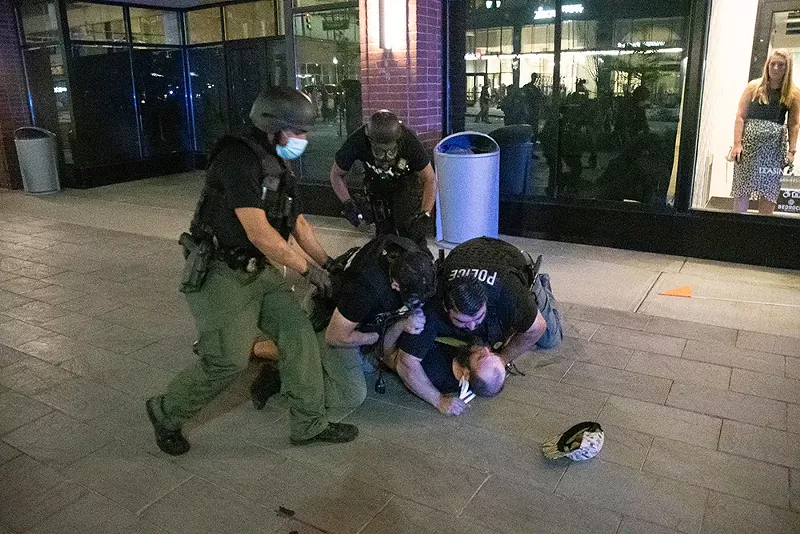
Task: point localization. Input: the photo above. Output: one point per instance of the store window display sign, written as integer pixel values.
(570, 9)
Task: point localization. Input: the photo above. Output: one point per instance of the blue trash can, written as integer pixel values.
(468, 171)
(516, 157)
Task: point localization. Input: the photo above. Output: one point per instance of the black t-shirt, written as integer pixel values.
(411, 157)
(438, 367)
(237, 173)
(510, 307)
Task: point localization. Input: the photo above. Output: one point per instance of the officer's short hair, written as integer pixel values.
(415, 274)
(466, 294)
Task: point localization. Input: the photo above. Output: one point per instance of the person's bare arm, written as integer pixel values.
(525, 341)
(413, 375)
(338, 183)
(268, 240)
(306, 237)
(738, 126)
(428, 188)
(342, 333)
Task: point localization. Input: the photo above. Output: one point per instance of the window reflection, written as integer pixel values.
(40, 21)
(207, 78)
(105, 118)
(204, 26)
(252, 19)
(95, 22)
(154, 26)
(160, 98)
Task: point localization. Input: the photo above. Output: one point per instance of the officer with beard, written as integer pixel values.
(395, 163)
(246, 212)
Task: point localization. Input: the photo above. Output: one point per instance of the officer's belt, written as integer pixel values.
(239, 259)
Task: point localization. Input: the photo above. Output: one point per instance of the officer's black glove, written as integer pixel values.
(417, 226)
(320, 279)
(333, 266)
(351, 212)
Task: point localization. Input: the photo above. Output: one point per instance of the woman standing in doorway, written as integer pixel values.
(766, 122)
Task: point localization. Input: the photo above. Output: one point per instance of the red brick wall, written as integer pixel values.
(13, 96)
(407, 82)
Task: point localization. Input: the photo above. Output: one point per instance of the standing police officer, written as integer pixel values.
(244, 217)
(385, 282)
(394, 162)
(494, 307)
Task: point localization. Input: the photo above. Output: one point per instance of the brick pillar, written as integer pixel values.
(407, 81)
(13, 96)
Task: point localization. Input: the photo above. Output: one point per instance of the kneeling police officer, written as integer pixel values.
(383, 283)
(394, 164)
(493, 306)
(247, 211)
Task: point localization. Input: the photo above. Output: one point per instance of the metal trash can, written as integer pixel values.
(468, 170)
(38, 160)
(516, 157)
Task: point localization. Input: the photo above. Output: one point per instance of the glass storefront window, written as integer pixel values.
(40, 21)
(204, 26)
(741, 39)
(161, 101)
(155, 26)
(209, 95)
(490, 40)
(95, 22)
(252, 19)
(579, 35)
(102, 99)
(538, 38)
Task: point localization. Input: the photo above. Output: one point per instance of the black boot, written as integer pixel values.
(171, 442)
(266, 384)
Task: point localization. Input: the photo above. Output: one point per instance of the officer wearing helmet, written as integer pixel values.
(246, 212)
(383, 283)
(395, 162)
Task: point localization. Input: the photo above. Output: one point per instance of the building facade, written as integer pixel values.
(630, 104)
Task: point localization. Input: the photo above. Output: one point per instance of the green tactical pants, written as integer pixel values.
(230, 310)
(345, 385)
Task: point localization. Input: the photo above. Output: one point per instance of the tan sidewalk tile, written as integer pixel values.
(513, 458)
(127, 475)
(94, 513)
(631, 525)
(768, 386)
(7, 452)
(401, 516)
(719, 354)
(606, 316)
(591, 352)
(22, 285)
(56, 348)
(663, 421)
(172, 354)
(9, 356)
(579, 329)
(28, 268)
(731, 515)
(331, 503)
(82, 398)
(35, 312)
(17, 410)
(794, 489)
(200, 506)
(788, 346)
(761, 443)
(500, 415)
(793, 367)
(793, 417)
(31, 375)
(14, 333)
(552, 395)
(631, 339)
(679, 370)
(729, 405)
(121, 373)
(57, 440)
(509, 506)
(641, 495)
(30, 492)
(749, 479)
(10, 300)
(689, 330)
(618, 382)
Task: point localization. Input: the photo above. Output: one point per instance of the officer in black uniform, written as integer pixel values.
(492, 308)
(394, 164)
(384, 283)
(247, 211)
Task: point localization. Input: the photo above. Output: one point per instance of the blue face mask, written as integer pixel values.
(293, 149)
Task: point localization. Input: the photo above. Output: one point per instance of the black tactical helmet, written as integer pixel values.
(416, 275)
(384, 128)
(282, 108)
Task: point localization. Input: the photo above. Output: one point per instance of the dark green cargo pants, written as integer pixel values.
(230, 310)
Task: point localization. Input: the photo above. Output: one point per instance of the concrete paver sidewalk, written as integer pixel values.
(699, 397)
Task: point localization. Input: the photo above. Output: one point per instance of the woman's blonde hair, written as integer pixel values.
(787, 87)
